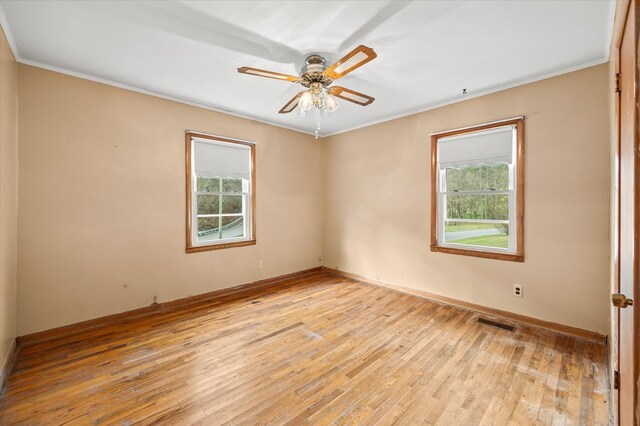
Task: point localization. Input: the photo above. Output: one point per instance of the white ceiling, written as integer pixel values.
(428, 51)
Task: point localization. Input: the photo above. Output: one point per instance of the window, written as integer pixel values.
(477, 191)
(220, 192)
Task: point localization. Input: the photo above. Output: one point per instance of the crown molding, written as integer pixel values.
(470, 96)
(461, 98)
(197, 104)
(20, 59)
(610, 27)
(154, 94)
(8, 34)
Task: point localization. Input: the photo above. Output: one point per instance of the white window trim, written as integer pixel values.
(246, 209)
(513, 196)
(248, 193)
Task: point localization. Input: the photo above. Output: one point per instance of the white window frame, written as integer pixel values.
(248, 198)
(245, 214)
(514, 192)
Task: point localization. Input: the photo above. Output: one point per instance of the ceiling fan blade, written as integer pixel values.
(355, 59)
(291, 105)
(351, 95)
(268, 74)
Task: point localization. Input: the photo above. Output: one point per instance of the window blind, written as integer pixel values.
(221, 160)
(473, 149)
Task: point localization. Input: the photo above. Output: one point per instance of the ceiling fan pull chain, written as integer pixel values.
(317, 122)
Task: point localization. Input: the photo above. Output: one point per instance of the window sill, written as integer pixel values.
(511, 257)
(198, 249)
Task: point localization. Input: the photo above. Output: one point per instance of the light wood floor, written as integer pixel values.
(316, 350)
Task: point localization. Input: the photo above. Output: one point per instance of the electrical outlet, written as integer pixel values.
(260, 264)
(517, 290)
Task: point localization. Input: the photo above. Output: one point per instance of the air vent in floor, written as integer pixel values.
(496, 324)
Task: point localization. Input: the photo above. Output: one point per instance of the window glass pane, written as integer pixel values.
(232, 227)
(205, 184)
(231, 204)
(208, 228)
(491, 206)
(477, 234)
(208, 204)
(479, 178)
(231, 185)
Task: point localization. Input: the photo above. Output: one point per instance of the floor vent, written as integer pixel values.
(496, 324)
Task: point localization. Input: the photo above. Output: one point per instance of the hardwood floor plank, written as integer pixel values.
(316, 349)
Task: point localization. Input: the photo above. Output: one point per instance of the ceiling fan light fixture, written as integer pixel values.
(330, 102)
(316, 77)
(306, 101)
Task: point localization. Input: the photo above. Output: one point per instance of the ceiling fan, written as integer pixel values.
(316, 76)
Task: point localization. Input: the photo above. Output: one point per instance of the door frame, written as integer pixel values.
(623, 9)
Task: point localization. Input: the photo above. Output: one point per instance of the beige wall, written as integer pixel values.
(102, 201)
(377, 205)
(8, 195)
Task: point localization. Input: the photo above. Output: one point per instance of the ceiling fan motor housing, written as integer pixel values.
(312, 72)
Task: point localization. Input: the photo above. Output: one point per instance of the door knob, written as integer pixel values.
(620, 300)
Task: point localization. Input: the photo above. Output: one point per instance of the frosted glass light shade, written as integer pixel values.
(306, 101)
(330, 102)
